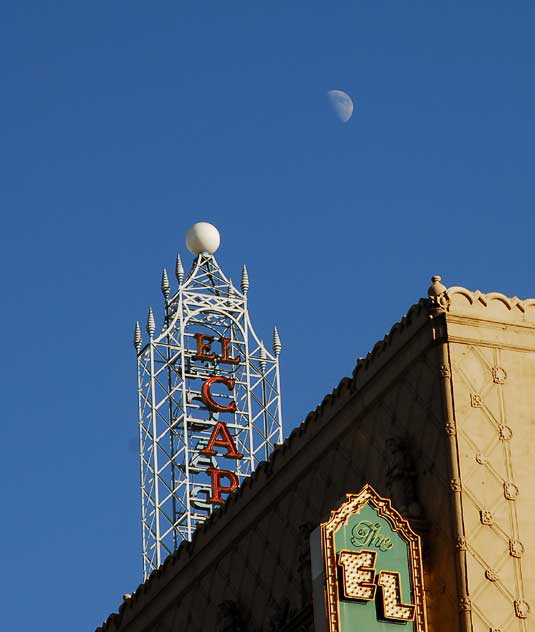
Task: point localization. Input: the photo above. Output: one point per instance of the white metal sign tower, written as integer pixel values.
(209, 399)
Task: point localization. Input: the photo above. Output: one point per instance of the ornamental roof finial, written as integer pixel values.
(437, 292)
(437, 288)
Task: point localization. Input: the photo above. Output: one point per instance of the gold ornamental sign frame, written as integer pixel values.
(399, 525)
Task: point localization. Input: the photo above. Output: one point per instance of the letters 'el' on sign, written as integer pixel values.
(372, 568)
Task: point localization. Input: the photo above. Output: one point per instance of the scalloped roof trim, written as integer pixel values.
(479, 299)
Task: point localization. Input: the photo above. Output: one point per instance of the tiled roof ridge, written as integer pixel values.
(113, 622)
(382, 345)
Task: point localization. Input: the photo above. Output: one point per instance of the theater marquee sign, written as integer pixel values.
(372, 568)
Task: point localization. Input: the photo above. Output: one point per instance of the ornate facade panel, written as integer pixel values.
(494, 441)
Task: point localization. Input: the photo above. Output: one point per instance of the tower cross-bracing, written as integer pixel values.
(209, 400)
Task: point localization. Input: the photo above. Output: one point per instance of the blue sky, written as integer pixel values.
(125, 122)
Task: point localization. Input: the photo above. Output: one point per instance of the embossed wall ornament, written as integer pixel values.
(460, 545)
(401, 476)
(475, 400)
(486, 517)
(445, 371)
(516, 548)
(505, 432)
(510, 490)
(465, 604)
(499, 375)
(455, 485)
(491, 575)
(481, 459)
(522, 609)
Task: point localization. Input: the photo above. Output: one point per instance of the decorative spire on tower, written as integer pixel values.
(179, 270)
(137, 337)
(151, 324)
(209, 399)
(277, 345)
(244, 280)
(165, 284)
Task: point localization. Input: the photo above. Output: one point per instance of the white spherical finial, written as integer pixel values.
(203, 237)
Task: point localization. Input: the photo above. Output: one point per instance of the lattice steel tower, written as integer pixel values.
(209, 399)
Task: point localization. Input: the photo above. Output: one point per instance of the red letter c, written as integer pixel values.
(209, 400)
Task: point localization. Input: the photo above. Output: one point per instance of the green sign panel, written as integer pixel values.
(373, 569)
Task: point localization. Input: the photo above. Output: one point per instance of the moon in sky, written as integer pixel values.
(341, 104)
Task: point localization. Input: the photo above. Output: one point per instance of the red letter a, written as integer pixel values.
(225, 442)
